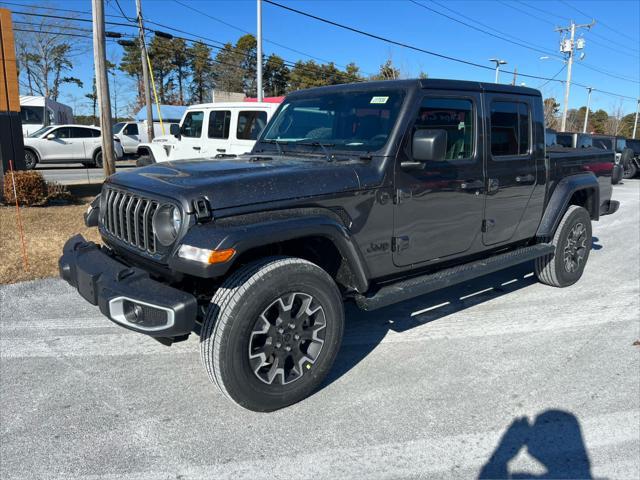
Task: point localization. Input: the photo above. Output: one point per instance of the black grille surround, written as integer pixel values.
(126, 219)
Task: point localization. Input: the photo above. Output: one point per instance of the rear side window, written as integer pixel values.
(604, 143)
(219, 121)
(564, 140)
(510, 130)
(250, 124)
(454, 116)
(131, 129)
(192, 125)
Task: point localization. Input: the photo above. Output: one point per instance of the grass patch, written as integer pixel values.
(46, 229)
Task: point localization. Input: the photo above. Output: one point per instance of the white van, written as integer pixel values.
(39, 112)
(132, 134)
(210, 130)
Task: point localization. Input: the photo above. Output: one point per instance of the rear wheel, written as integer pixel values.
(144, 160)
(97, 159)
(572, 242)
(630, 170)
(272, 332)
(30, 159)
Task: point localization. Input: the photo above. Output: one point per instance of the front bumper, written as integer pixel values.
(126, 295)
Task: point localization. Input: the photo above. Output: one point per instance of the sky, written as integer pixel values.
(612, 46)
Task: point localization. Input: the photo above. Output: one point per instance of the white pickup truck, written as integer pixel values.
(210, 130)
(132, 134)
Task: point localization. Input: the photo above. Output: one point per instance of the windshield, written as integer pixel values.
(342, 120)
(32, 115)
(117, 127)
(40, 131)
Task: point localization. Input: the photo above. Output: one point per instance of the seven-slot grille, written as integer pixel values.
(129, 217)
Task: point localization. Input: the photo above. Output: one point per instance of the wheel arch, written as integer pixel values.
(35, 152)
(582, 190)
(321, 238)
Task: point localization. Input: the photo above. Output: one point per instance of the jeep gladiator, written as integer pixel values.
(371, 192)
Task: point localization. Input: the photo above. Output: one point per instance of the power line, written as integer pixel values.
(122, 12)
(553, 78)
(635, 40)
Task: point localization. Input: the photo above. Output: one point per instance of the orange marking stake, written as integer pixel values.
(25, 259)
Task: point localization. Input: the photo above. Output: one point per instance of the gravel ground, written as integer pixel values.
(519, 378)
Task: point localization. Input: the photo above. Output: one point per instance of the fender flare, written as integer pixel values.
(243, 237)
(559, 201)
(157, 151)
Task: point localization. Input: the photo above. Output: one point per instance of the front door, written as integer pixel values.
(191, 133)
(130, 138)
(511, 166)
(439, 204)
(63, 147)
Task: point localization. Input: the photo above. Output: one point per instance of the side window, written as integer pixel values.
(131, 129)
(219, 122)
(250, 124)
(62, 132)
(454, 116)
(510, 131)
(192, 125)
(78, 132)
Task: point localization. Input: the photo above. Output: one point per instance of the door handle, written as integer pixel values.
(221, 150)
(196, 148)
(472, 185)
(525, 178)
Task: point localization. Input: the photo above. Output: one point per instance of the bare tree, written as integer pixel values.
(551, 108)
(45, 55)
(614, 122)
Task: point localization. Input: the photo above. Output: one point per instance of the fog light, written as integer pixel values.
(142, 316)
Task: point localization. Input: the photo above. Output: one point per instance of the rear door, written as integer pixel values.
(249, 125)
(511, 166)
(86, 141)
(438, 212)
(218, 132)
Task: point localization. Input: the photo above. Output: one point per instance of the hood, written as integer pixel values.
(240, 181)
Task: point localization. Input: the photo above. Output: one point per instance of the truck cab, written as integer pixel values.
(211, 130)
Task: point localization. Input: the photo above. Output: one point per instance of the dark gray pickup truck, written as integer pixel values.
(371, 192)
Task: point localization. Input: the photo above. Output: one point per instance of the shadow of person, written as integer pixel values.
(554, 440)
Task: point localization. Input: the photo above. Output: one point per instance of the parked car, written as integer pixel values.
(67, 144)
(634, 165)
(574, 140)
(370, 192)
(618, 145)
(210, 130)
(131, 134)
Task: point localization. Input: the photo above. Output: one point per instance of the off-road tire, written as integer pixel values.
(552, 269)
(144, 160)
(30, 159)
(630, 170)
(97, 159)
(231, 318)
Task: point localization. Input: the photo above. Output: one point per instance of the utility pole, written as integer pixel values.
(498, 62)
(102, 87)
(145, 72)
(515, 75)
(586, 114)
(569, 47)
(635, 123)
(259, 50)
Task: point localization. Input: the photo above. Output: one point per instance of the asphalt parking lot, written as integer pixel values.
(474, 381)
(74, 173)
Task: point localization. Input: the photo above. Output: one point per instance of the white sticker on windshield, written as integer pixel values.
(379, 100)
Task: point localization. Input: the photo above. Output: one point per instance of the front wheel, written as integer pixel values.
(30, 160)
(97, 159)
(572, 242)
(272, 332)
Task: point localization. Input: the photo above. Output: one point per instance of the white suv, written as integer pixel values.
(211, 130)
(67, 144)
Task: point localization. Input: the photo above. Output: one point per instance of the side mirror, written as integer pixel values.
(429, 145)
(174, 129)
(51, 136)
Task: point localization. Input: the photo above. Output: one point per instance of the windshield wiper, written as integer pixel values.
(321, 145)
(278, 144)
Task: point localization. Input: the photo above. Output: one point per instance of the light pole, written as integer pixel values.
(498, 62)
(259, 50)
(635, 123)
(586, 113)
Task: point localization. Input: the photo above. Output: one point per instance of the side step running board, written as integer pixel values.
(417, 286)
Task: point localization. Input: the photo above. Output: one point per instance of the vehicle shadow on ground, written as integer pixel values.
(553, 439)
(365, 330)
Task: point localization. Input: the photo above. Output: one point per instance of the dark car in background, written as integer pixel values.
(574, 140)
(634, 165)
(624, 155)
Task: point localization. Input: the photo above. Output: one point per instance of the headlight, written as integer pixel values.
(166, 224)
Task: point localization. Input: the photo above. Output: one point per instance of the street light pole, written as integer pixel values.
(635, 123)
(259, 50)
(498, 62)
(586, 114)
